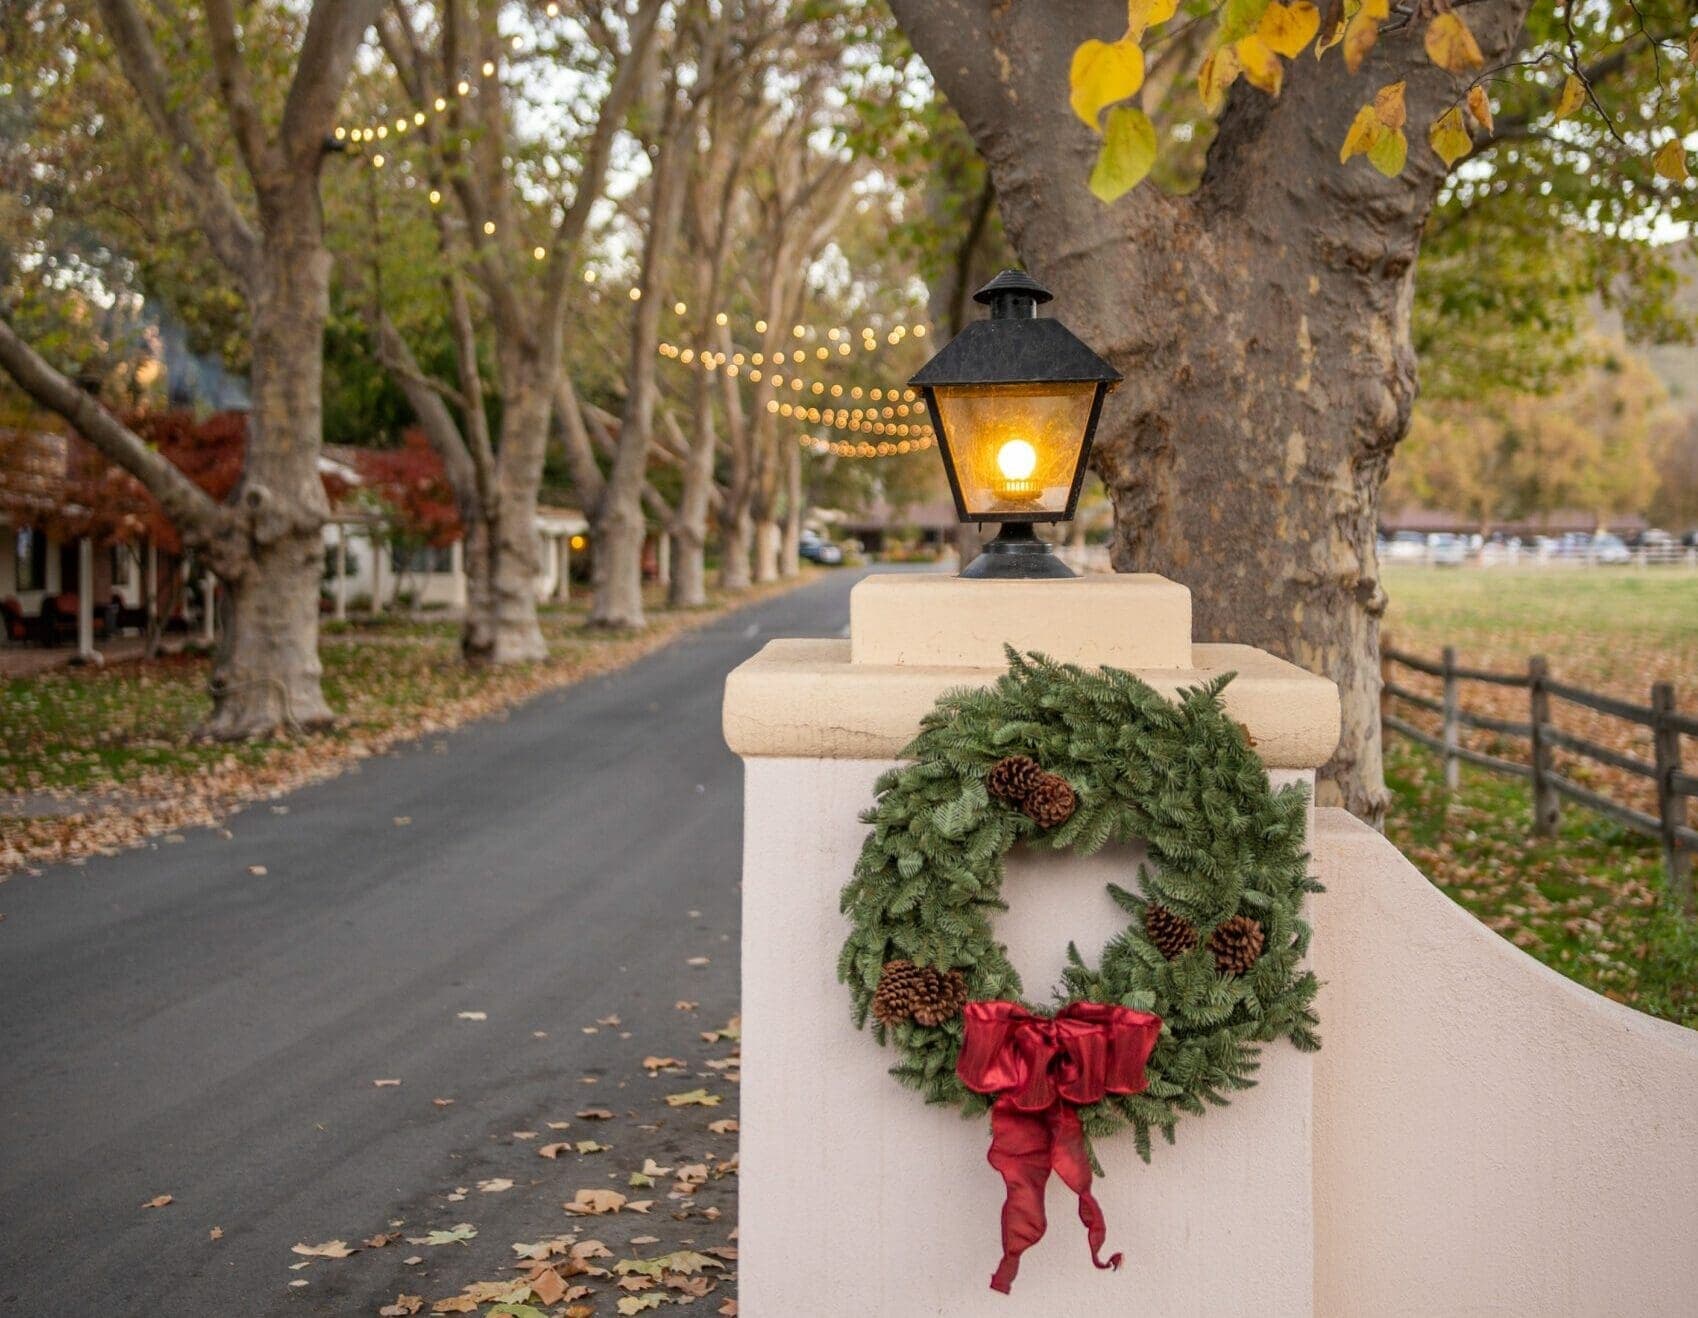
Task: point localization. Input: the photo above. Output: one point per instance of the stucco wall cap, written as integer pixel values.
(1127, 620)
(806, 698)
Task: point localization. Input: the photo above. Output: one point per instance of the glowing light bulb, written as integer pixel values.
(1016, 460)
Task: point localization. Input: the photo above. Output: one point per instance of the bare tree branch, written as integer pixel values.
(334, 32)
(235, 87)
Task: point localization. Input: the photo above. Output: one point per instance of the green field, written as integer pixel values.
(1591, 901)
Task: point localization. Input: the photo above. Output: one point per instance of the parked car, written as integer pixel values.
(817, 550)
(1446, 550)
(1405, 547)
(1607, 548)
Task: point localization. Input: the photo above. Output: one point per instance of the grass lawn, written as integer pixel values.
(99, 758)
(1591, 901)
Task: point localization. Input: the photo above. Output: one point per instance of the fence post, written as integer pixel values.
(1545, 800)
(1452, 728)
(1671, 806)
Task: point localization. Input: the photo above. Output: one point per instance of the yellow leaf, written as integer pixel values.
(1363, 30)
(1129, 150)
(1141, 14)
(1365, 130)
(1286, 29)
(1451, 45)
(1388, 154)
(1480, 106)
(1388, 105)
(1572, 98)
(1449, 137)
(1261, 66)
(1670, 161)
(1104, 72)
(1239, 18)
(1220, 70)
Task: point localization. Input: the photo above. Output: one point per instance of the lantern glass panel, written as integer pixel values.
(1015, 447)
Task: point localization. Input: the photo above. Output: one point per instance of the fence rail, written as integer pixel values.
(1674, 785)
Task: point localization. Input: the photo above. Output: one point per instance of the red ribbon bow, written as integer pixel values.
(1043, 1069)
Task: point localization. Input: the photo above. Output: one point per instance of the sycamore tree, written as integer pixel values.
(249, 174)
(1229, 202)
(507, 137)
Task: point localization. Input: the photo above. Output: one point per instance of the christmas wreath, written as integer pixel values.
(1170, 1020)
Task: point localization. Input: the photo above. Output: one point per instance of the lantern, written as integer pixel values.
(1014, 400)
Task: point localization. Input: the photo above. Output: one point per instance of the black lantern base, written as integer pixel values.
(1016, 553)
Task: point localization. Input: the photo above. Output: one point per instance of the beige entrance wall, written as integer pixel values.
(1478, 1136)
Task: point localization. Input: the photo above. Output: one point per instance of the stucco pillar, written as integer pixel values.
(892, 1204)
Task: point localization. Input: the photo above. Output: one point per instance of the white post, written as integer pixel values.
(85, 599)
(833, 1146)
(378, 548)
(457, 572)
(341, 572)
(209, 610)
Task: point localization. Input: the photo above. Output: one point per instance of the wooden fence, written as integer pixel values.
(1674, 785)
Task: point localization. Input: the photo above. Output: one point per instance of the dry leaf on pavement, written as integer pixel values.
(158, 1201)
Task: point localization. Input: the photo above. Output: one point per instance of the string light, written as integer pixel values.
(864, 449)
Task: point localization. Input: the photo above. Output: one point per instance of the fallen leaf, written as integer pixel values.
(553, 1150)
(595, 1114)
(458, 1234)
(682, 1005)
(524, 1134)
(379, 1241)
(595, 1202)
(548, 1286)
(590, 1146)
(258, 871)
(455, 1304)
(630, 1304)
(726, 1127)
(612, 1021)
(158, 1201)
(404, 1306)
(386, 1084)
(495, 1185)
(697, 961)
(659, 1063)
(473, 1015)
(728, 1309)
(442, 1102)
(330, 1249)
(694, 1098)
(401, 821)
(217, 1233)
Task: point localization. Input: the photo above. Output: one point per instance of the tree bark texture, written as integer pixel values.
(1262, 323)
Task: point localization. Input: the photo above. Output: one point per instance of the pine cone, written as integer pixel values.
(1050, 803)
(940, 996)
(1012, 778)
(1236, 943)
(898, 990)
(1172, 934)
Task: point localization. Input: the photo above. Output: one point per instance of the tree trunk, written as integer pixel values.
(689, 569)
(477, 633)
(528, 388)
(271, 559)
(619, 535)
(736, 536)
(1262, 323)
(768, 538)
